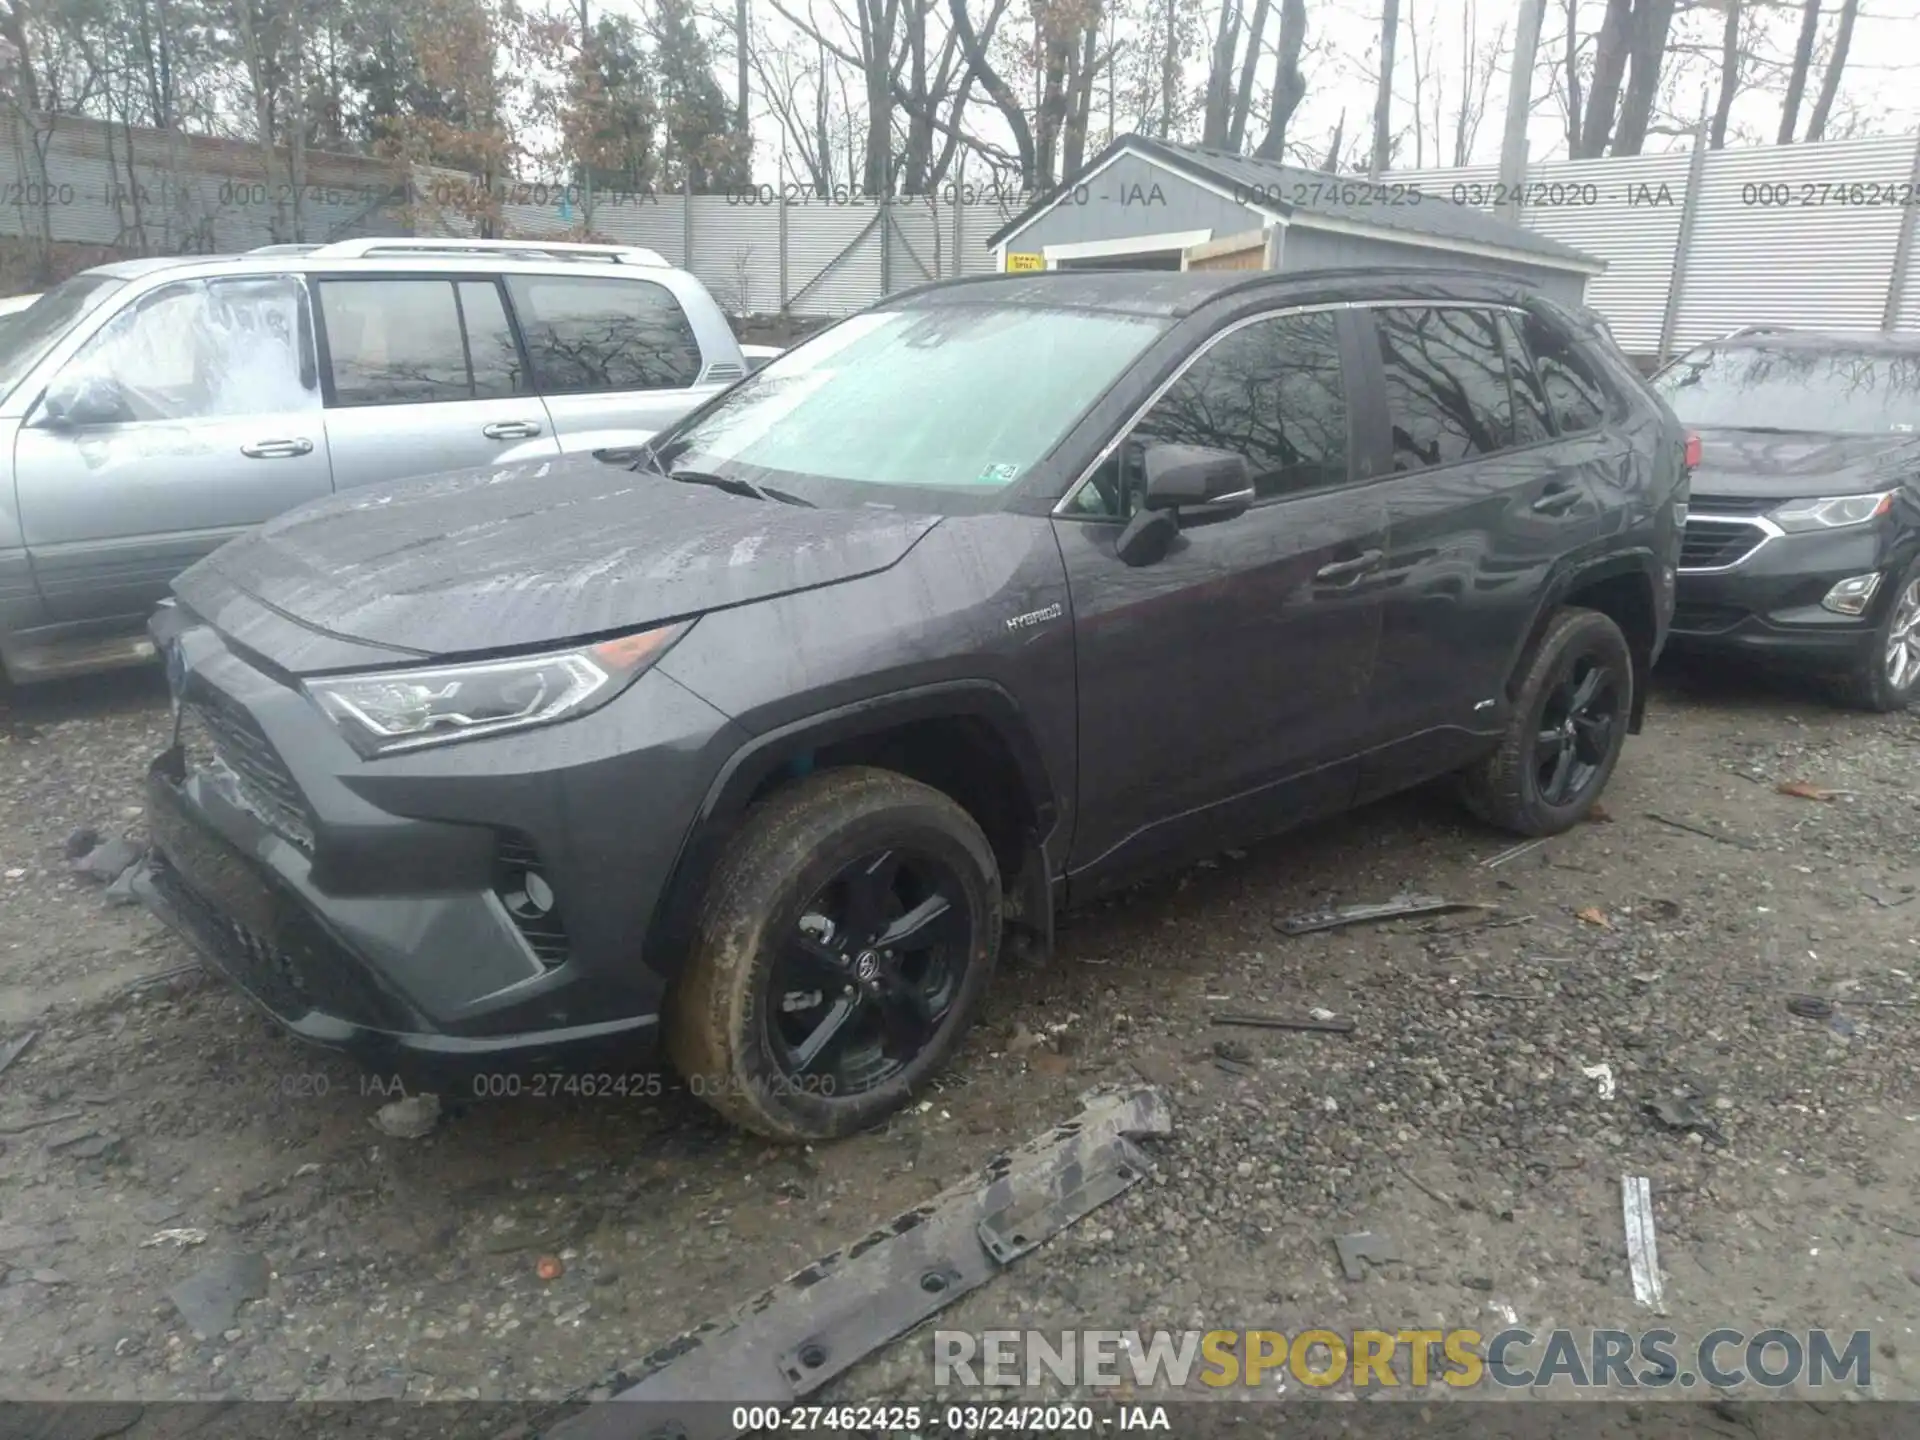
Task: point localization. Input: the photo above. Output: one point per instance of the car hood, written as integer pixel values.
(1801, 465)
(523, 555)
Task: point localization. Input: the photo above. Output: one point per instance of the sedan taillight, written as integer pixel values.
(1693, 451)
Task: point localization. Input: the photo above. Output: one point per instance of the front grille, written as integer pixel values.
(1736, 504)
(261, 777)
(1713, 544)
(515, 861)
(302, 971)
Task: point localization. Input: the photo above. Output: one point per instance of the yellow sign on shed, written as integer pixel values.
(1025, 262)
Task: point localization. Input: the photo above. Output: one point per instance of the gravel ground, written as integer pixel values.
(1456, 1118)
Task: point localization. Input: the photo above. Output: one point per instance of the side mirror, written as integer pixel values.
(1217, 483)
(91, 400)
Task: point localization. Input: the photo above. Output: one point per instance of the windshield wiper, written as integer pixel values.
(733, 485)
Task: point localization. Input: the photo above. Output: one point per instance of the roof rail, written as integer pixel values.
(1758, 330)
(530, 249)
(283, 250)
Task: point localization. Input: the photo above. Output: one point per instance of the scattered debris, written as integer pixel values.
(1810, 1007)
(1603, 1072)
(1398, 909)
(408, 1119)
(48, 1277)
(110, 859)
(157, 1212)
(1889, 903)
(1477, 1282)
(12, 1050)
(1643, 1255)
(81, 842)
(87, 1145)
(1805, 790)
(1598, 814)
(1331, 1024)
(1513, 852)
(1681, 1114)
(180, 1238)
(1499, 995)
(59, 1117)
(1352, 1249)
(120, 892)
(1023, 1040)
(1049, 1062)
(549, 1267)
(790, 1340)
(1734, 840)
(209, 1299)
(1594, 915)
(1842, 1026)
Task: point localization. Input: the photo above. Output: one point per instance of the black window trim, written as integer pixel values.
(1348, 381)
(540, 389)
(330, 399)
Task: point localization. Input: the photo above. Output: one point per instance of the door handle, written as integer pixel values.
(278, 449)
(510, 430)
(1556, 500)
(1352, 569)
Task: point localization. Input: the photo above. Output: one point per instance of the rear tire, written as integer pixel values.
(827, 980)
(1888, 679)
(1566, 730)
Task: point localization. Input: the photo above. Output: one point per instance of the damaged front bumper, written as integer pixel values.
(382, 907)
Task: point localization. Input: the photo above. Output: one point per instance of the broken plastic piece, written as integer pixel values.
(1352, 1249)
(1335, 1025)
(790, 1340)
(1406, 905)
(1643, 1255)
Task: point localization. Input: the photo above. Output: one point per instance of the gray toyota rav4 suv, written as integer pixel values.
(983, 600)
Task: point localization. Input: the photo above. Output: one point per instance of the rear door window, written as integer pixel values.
(395, 342)
(1575, 396)
(1447, 395)
(589, 333)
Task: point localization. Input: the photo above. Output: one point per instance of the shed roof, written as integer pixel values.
(1289, 192)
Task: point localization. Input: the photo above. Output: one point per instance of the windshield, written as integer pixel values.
(959, 399)
(1789, 387)
(30, 333)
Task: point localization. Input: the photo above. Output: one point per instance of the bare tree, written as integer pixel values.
(1797, 75)
(1836, 63)
(1249, 63)
(1609, 69)
(1570, 64)
(1383, 97)
(1730, 56)
(1646, 51)
(1289, 85)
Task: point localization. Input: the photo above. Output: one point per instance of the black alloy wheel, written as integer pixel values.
(870, 972)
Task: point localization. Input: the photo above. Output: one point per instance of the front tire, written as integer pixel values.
(843, 948)
(1887, 679)
(1566, 730)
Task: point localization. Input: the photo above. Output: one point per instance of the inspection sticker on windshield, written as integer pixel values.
(998, 474)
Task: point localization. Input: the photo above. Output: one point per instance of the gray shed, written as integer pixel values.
(1143, 203)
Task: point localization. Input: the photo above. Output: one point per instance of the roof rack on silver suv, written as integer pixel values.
(507, 249)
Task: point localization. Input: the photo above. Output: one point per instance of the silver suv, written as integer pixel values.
(150, 410)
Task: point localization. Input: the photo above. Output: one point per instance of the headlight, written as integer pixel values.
(391, 710)
(1833, 512)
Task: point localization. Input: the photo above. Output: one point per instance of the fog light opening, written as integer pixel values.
(1852, 595)
(529, 896)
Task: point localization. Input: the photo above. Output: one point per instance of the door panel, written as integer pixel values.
(1221, 685)
(424, 375)
(218, 428)
(1475, 524)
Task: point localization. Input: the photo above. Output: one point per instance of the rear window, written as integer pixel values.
(1795, 387)
(587, 333)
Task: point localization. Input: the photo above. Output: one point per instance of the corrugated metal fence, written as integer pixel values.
(1790, 235)
(1776, 235)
